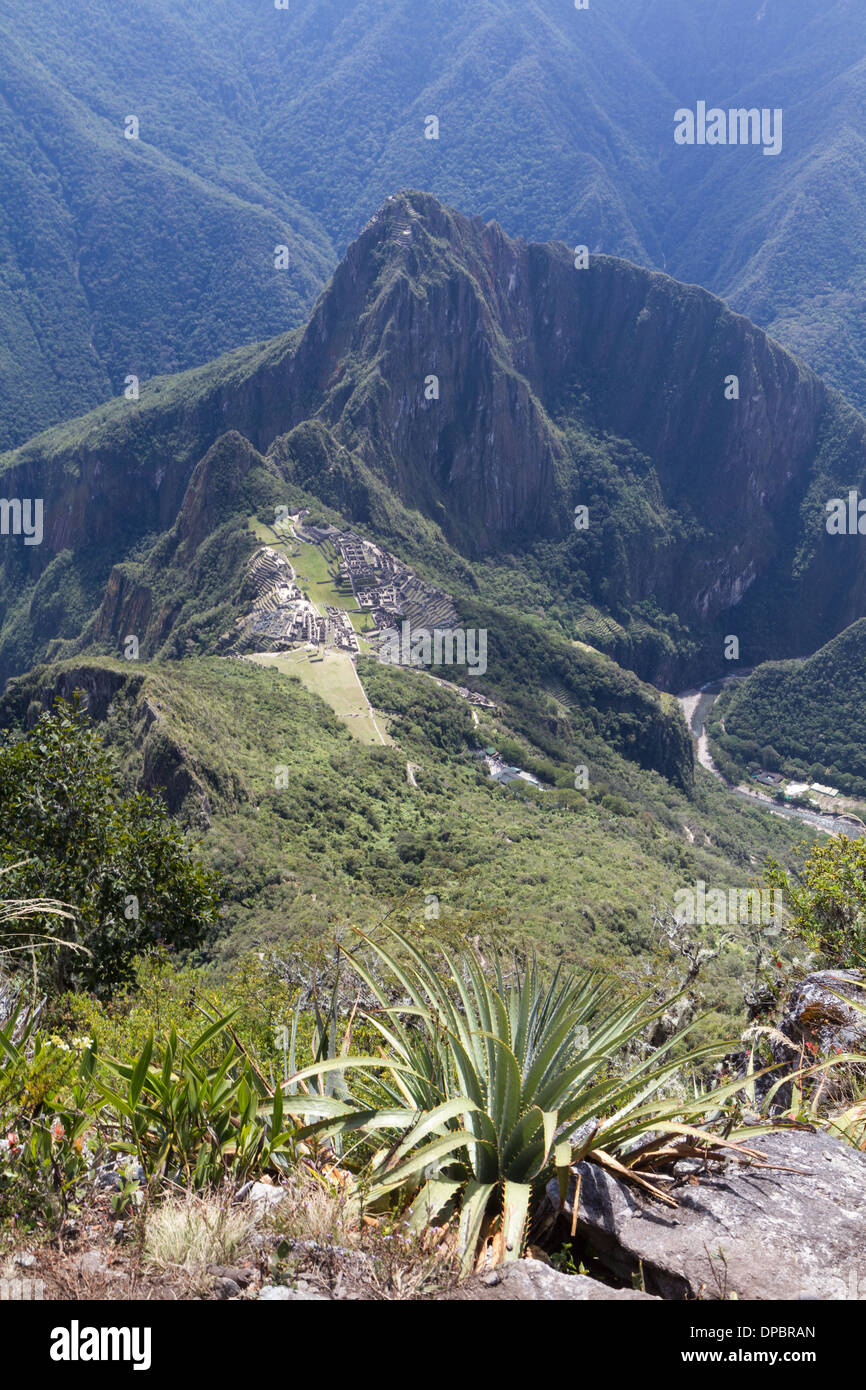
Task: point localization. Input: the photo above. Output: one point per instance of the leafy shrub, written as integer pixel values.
(48, 1141)
(120, 864)
(196, 1124)
(63, 1110)
(827, 900)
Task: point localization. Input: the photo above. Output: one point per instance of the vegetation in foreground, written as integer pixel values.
(482, 1085)
(476, 1095)
(429, 1093)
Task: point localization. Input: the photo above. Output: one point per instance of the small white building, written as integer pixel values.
(796, 788)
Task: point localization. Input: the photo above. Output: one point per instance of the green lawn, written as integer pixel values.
(315, 568)
(336, 681)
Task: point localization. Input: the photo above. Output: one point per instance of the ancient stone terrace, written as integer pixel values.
(388, 589)
(280, 617)
(269, 569)
(341, 631)
(362, 564)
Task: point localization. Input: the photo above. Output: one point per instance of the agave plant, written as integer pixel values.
(484, 1089)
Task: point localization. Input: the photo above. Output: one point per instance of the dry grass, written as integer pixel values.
(321, 1236)
(175, 1250)
(195, 1232)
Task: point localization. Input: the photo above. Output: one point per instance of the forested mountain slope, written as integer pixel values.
(805, 718)
(262, 128)
(344, 836)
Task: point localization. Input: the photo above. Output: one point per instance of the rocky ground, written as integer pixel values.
(787, 1228)
(784, 1221)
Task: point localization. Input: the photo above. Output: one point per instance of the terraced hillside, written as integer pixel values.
(475, 491)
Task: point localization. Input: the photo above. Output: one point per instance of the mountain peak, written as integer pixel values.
(492, 386)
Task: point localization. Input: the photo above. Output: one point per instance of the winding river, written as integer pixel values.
(696, 705)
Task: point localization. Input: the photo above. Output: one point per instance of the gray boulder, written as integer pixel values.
(533, 1281)
(225, 1288)
(815, 1014)
(263, 1195)
(756, 1233)
(301, 1292)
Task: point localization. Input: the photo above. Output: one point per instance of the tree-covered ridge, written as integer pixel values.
(119, 256)
(803, 718)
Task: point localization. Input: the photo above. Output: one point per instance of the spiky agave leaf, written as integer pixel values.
(494, 1079)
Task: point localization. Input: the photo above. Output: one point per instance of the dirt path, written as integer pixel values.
(382, 738)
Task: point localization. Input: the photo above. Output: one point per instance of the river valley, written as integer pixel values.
(696, 704)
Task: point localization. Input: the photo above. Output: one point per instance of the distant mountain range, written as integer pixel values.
(261, 128)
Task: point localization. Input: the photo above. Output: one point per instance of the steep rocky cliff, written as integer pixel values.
(491, 386)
